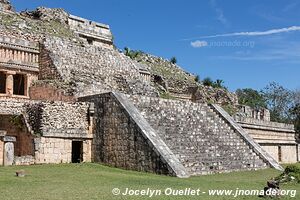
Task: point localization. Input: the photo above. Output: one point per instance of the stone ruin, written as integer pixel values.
(68, 95)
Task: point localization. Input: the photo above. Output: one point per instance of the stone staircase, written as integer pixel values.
(177, 138)
(203, 140)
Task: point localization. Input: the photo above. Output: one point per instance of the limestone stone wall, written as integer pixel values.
(289, 153)
(58, 150)
(119, 141)
(58, 119)
(60, 123)
(201, 140)
(278, 139)
(271, 136)
(92, 70)
(61, 119)
(49, 93)
(272, 150)
(13, 106)
(97, 34)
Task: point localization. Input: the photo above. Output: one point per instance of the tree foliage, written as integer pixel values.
(207, 81)
(197, 78)
(251, 97)
(131, 53)
(279, 101)
(215, 84)
(295, 112)
(284, 104)
(173, 60)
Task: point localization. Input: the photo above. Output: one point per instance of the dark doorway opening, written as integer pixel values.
(279, 154)
(2, 83)
(19, 84)
(77, 152)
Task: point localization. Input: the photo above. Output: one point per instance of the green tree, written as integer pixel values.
(250, 97)
(173, 60)
(197, 78)
(279, 101)
(219, 84)
(295, 112)
(208, 81)
(131, 53)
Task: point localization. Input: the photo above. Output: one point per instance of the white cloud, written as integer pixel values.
(253, 33)
(198, 44)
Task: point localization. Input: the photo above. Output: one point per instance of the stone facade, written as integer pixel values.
(58, 150)
(278, 139)
(18, 66)
(60, 125)
(97, 34)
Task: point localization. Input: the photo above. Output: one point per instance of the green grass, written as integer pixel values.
(94, 181)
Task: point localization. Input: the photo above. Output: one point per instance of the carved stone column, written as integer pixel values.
(10, 83)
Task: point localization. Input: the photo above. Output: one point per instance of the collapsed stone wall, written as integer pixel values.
(168, 77)
(171, 79)
(47, 14)
(221, 96)
(5, 5)
(91, 70)
(201, 140)
(22, 26)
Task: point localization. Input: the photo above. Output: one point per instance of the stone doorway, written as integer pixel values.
(2, 83)
(9, 150)
(77, 151)
(19, 84)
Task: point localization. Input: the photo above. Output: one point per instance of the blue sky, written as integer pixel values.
(245, 43)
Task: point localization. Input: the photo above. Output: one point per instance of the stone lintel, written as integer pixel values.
(17, 66)
(9, 139)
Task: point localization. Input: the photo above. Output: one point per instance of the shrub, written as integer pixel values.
(173, 60)
(197, 78)
(218, 84)
(208, 82)
(290, 174)
(131, 53)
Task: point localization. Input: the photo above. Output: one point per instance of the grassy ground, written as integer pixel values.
(94, 181)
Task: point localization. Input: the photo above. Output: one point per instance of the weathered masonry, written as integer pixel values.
(140, 133)
(33, 132)
(95, 33)
(276, 138)
(69, 96)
